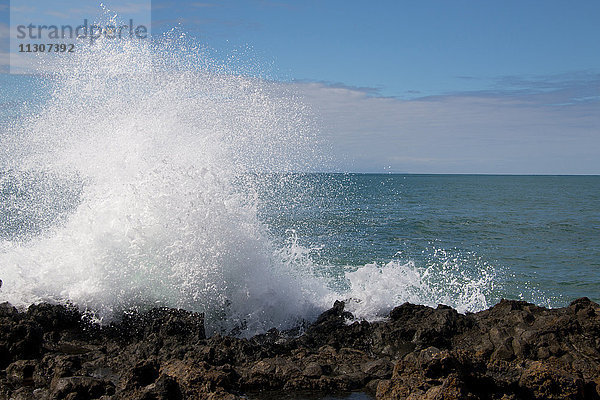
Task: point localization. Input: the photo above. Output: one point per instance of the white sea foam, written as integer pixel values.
(376, 289)
(158, 137)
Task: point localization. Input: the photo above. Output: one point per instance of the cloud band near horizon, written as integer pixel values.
(548, 125)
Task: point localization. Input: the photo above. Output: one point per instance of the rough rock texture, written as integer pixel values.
(514, 350)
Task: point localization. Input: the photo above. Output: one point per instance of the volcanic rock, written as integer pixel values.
(514, 350)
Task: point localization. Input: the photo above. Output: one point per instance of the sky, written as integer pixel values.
(423, 87)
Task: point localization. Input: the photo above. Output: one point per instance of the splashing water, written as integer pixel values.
(158, 146)
(155, 138)
(465, 283)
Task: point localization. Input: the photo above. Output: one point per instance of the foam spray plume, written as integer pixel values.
(138, 184)
(157, 137)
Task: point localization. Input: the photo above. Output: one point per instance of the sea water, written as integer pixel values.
(136, 175)
(463, 240)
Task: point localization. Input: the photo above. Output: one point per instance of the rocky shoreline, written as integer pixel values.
(514, 350)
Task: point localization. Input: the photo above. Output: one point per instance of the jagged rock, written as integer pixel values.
(513, 350)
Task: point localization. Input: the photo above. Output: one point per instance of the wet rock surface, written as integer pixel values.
(514, 350)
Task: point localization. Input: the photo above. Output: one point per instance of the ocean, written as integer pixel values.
(463, 240)
(537, 238)
(176, 183)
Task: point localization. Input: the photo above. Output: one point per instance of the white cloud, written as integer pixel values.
(465, 133)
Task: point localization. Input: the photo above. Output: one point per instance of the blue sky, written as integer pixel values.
(402, 48)
(424, 86)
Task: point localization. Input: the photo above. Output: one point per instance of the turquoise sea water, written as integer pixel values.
(538, 235)
(535, 238)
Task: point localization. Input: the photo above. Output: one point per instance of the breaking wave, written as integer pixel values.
(130, 189)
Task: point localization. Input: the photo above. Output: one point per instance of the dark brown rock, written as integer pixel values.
(513, 350)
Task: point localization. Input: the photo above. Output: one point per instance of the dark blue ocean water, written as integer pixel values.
(538, 235)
